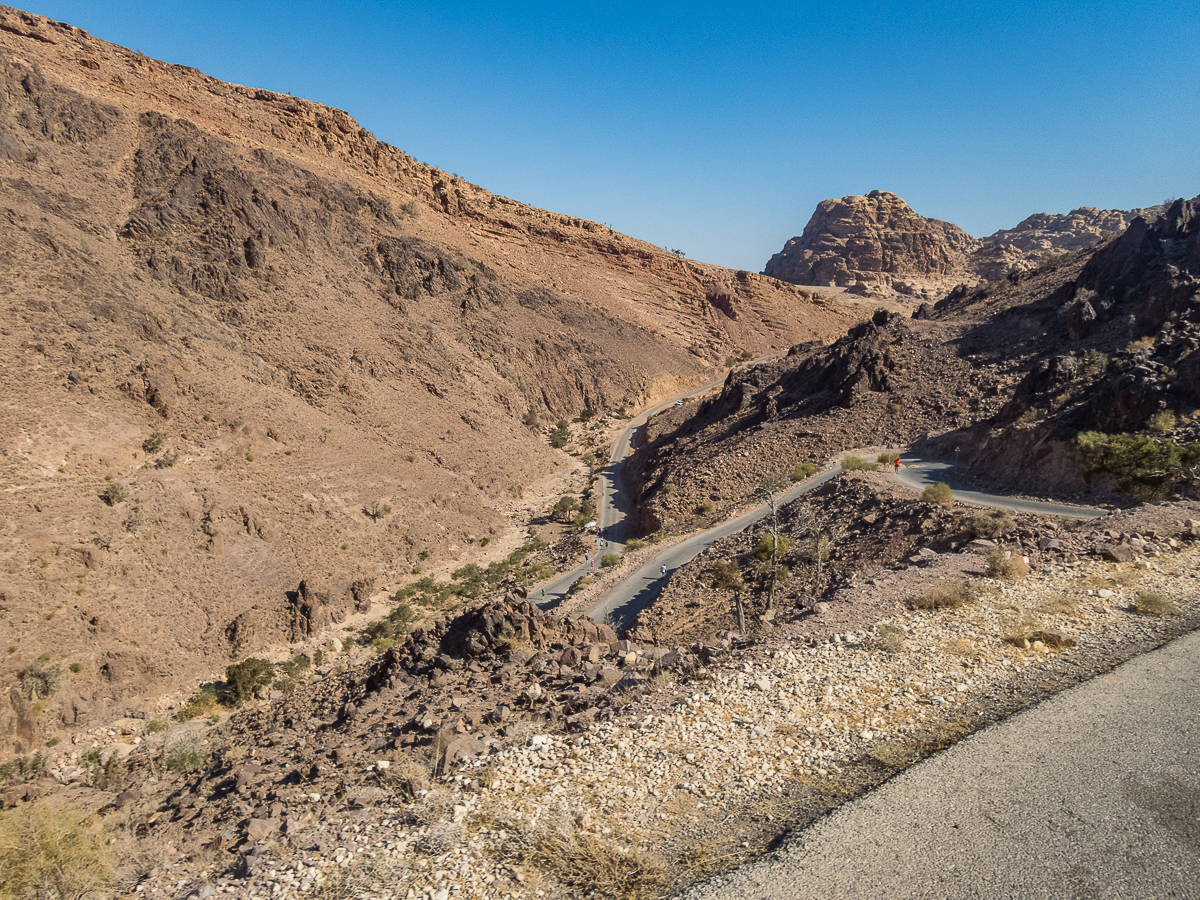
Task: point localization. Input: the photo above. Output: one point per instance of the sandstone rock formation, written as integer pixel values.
(877, 244)
(874, 242)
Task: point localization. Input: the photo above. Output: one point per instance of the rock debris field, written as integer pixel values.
(700, 774)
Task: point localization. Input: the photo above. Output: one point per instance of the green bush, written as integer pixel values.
(939, 494)
(858, 464)
(1162, 422)
(726, 576)
(246, 677)
(184, 761)
(803, 471)
(565, 506)
(887, 457)
(154, 443)
(1138, 459)
(561, 435)
(202, 704)
(766, 543)
(610, 559)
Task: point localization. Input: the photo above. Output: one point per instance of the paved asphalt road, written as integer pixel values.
(1093, 794)
(921, 472)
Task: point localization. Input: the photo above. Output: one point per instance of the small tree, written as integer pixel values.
(771, 487)
(246, 677)
(727, 577)
(377, 511)
(531, 419)
(565, 506)
(561, 435)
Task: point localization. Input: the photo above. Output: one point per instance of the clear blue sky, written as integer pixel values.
(716, 128)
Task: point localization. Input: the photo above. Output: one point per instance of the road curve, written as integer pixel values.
(614, 505)
(920, 473)
(1094, 793)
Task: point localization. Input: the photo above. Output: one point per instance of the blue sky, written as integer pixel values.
(716, 128)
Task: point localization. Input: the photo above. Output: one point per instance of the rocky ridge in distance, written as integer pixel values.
(879, 246)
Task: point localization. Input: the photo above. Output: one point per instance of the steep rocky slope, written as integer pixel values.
(256, 364)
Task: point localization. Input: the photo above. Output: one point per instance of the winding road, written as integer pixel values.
(640, 589)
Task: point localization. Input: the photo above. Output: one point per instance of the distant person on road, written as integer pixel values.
(897, 464)
(663, 570)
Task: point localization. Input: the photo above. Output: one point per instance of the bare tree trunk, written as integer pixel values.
(741, 613)
(774, 555)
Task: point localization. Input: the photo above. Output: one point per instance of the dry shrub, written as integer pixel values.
(1060, 604)
(945, 595)
(442, 837)
(895, 754)
(960, 647)
(1152, 603)
(50, 851)
(992, 523)
(939, 494)
(1019, 625)
(1003, 564)
(601, 868)
(890, 638)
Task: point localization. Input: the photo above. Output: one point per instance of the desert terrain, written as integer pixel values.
(293, 427)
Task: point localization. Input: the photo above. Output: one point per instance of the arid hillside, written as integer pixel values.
(1077, 378)
(255, 364)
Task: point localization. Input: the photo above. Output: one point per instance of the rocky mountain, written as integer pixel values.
(877, 244)
(256, 365)
(873, 243)
(1102, 340)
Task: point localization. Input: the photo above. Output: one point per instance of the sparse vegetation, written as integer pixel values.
(887, 458)
(377, 511)
(1162, 422)
(991, 524)
(803, 471)
(154, 443)
(945, 595)
(890, 638)
(561, 435)
(1139, 459)
(1004, 564)
(727, 576)
(858, 464)
(1152, 603)
(203, 703)
(48, 852)
(39, 680)
(765, 548)
(247, 677)
(113, 494)
(608, 560)
(939, 494)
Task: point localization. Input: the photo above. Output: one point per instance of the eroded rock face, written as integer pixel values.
(877, 243)
(1044, 234)
(871, 242)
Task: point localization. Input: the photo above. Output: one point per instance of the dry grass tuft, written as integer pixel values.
(1062, 603)
(1152, 603)
(47, 850)
(1004, 564)
(1019, 625)
(895, 754)
(890, 638)
(960, 647)
(945, 595)
(602, 868)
